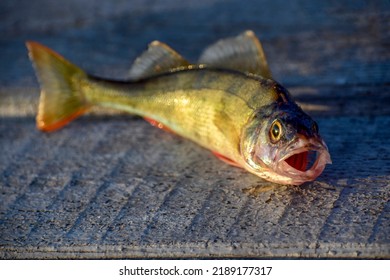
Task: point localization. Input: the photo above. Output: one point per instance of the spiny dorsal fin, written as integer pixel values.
(242, 53)
(158, 58)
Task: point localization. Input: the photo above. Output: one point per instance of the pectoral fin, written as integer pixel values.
(225, 124)
(226, 160)
(158, 58)
(242, 53)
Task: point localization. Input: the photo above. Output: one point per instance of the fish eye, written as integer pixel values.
(276, 131)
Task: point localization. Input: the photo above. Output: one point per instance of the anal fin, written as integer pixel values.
(158, 125)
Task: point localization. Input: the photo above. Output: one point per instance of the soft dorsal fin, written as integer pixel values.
(242, 53)
(158, 58)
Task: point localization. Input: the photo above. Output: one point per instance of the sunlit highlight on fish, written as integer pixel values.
(227, 103)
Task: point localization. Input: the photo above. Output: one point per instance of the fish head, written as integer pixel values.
(281, 143)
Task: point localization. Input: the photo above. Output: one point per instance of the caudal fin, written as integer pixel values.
(61, 98)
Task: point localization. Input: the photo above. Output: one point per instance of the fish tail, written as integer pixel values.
(62, 99)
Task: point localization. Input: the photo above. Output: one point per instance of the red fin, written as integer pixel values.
(61, 99)
(158, 125)
(51, 127)
(226, 160)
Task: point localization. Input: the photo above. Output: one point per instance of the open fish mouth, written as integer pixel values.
(304, 160)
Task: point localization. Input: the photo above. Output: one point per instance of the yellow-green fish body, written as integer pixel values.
(182, 102)
(224, 103)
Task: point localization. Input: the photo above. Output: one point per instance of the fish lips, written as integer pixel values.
(303, 160)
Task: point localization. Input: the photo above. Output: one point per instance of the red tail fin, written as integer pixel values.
(61, 98)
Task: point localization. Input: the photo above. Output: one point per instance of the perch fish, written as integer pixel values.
(227, 102)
